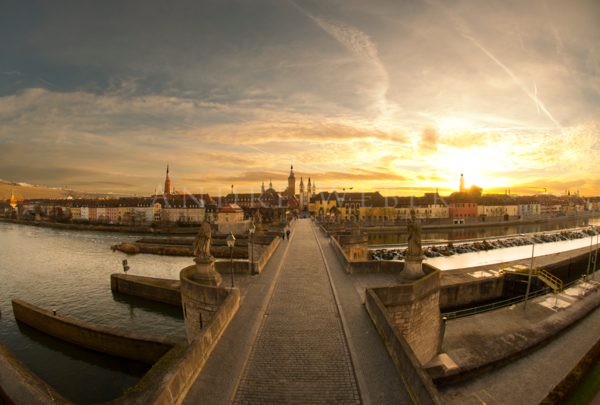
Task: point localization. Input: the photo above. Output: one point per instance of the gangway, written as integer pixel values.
(551, 281)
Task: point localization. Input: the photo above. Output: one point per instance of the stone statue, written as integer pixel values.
(202, 242)
(258, 223)
(356, 227)
(414, 236)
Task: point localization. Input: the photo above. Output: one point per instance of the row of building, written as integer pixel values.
(172, 206)
(459, 205)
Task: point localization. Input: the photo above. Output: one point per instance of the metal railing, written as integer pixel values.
(551, 281)
(493, 306)
(500, 304)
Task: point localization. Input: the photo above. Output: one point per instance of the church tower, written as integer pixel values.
(462, 184)
(168, 182)
(262, 188)
(302, 194)
(310, 191)
(292, 182)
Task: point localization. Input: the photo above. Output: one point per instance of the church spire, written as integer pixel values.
(167, 182)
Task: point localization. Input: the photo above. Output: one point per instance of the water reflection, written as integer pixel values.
(140, 304)
(481, 232)
(70, 271)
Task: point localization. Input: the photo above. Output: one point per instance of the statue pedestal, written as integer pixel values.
(413, 270)
(206, 273)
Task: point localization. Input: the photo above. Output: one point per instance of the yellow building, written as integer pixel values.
(323, 203)
(76, 212)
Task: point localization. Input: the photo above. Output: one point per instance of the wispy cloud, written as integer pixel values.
(464, 30)
(361, 45)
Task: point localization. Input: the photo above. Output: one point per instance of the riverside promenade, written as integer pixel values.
(301, 336)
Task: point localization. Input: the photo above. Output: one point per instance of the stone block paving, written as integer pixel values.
(300, 355)
(364, 281)
(379, 379)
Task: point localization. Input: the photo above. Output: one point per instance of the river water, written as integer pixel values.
(70, 271)
(481, 232)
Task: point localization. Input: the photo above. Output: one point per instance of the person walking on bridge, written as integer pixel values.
(288, 234)
(283, 235)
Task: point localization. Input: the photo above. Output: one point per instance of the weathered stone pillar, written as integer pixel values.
(206, 273)
(413, 270)
(199, 301)
(356, 247)
(415, 309)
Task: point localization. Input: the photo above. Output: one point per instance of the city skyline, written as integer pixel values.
(403, 96)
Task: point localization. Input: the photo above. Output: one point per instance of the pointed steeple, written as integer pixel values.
(167, 182)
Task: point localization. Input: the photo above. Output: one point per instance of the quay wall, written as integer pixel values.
(19, 385)
(130, 345)
(419, 384)
(475, 292)
(174, 384)
(200, 302)
(151, 288)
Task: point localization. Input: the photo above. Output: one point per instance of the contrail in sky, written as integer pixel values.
(464, 30)
(42, 80)
(521, 40)
(536, 100)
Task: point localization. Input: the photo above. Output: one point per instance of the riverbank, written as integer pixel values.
(403, 228)
(77, 227)
(170, 250)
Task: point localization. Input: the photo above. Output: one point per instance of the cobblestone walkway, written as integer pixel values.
(300, 355)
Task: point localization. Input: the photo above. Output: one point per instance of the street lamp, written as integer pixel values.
(231, 243)
(595, 257)
(587, 272)
(530, 271)
(251, 230)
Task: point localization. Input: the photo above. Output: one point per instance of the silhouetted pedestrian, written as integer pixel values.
(288, 234)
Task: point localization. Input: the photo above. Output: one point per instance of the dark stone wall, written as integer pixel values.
(130, 345)
(155, 289)
(420, 385)
(472, 293)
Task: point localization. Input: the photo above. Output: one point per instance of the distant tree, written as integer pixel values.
(56, 214)
(140, 216)
(129, 216)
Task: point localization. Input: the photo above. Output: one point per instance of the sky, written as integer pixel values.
(396, 96)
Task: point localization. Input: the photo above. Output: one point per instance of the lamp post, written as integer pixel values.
(530, 271)
(595, 257)
(231, 243)
(587, 272)
(251, 230)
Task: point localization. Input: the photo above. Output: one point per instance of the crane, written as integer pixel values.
(539, 188)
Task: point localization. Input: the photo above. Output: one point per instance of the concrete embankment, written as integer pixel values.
(18, 385)
(151, 288)
(391, 227)
(481, 343)
(169, 386)
(170, 250)
(77, 227)
(131, 345)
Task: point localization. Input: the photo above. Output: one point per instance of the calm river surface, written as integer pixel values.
(481, 232)
(70, 271)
